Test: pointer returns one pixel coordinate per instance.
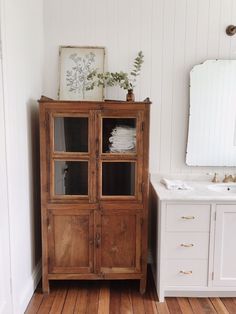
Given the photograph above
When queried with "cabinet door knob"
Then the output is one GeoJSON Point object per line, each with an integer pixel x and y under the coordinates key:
{"type": "Point", "coordinates": [187, 245]}
{"type": "Point", "coordinates": [186, 272]}
{"type": "Point", "coordinates": [188, 217]}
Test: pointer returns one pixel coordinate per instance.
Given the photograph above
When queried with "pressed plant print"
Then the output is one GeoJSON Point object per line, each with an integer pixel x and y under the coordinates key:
{"type": "Point", "coordinates": [76, 63]}
{"type": "Point", "coordinates": [77, 77]}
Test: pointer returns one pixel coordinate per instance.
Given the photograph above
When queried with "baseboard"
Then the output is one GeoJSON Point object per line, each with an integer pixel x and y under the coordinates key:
{"type": "Point", "coordinates": [30, 288]}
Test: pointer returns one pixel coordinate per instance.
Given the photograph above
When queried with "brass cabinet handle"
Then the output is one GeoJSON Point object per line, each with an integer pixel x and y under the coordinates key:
{"type": "Point", "coordinates": [188, 217]}
{"type": "Point", "coordinates": [187, 245]}
{"type": "Point", "coordinates": [184, 272]}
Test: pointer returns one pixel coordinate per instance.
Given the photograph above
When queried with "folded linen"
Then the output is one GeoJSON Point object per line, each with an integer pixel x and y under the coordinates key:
{"type": "Point", "coordinates": [123, 139]}
{"type": "Point", "coordinates": [175, 184]}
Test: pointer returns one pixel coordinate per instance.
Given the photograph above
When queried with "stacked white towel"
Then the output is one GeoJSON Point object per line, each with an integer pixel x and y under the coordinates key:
{"type": "Point", "coordinates": [175, 184]}
{"type": "Point", "coordinates": [123, 139]}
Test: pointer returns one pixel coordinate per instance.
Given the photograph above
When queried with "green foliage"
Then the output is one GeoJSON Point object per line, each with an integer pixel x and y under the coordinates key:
{"type": "Point", "coordinates": [121, 79]}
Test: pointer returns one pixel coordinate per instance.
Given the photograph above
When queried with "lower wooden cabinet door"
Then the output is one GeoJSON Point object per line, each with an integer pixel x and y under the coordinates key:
{"type": "Point", "coordinates": [120, 242]}
{"type": "Point", "coordinates": [70, 241]}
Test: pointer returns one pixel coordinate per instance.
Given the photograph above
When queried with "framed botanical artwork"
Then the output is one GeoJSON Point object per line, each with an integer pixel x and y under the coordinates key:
{"type": "Point", "coordinates": [75, 65]}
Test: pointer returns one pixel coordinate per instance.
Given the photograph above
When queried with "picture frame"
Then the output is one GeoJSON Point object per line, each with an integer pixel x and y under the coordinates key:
{"type": "Point", "coordinates": [75, 63]}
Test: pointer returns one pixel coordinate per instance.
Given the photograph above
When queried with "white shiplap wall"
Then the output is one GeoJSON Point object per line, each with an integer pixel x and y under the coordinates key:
{"type": "Point", "coordinates": [22, 57]}
{"type": "Point", "coordinates": [174, 36]}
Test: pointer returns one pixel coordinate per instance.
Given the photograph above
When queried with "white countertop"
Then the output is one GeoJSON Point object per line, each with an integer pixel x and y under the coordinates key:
{"type": "Point", "coordinates": [200, 192]}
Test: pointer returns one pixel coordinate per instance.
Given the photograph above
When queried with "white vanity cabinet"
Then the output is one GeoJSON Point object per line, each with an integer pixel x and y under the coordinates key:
{"type": "Point", "coordinates": [195, 250]}
{"type": "Point", "coordinates": [225, 246]}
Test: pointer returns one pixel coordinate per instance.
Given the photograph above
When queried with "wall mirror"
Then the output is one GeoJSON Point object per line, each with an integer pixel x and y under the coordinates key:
{"type": "Point", "coordinates": [212, 114]}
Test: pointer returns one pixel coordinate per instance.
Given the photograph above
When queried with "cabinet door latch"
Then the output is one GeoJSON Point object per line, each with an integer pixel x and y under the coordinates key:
{"type": "Point", "coordinates": [142, 187]}
{"type": "Point", "coordinates": [97, 240]}
{"type": "Point", "coordinates": [142, 126]}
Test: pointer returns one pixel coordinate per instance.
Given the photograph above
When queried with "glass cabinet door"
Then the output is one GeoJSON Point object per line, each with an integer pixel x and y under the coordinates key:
{"type": "Point", "coordinates": [70, 165]}
{"type": "Point", "coordinates": [120, 154]}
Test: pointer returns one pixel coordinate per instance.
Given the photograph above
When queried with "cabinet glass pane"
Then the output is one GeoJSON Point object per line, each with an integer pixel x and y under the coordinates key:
{"type": "Point", "coordinates": [118, 178]}
{"type": "Point", "coordinates": [71, 177]}
{"type": "Point", "coordinates": [71, 134]}
{"type": "Point", "coordinates": [118, 135]}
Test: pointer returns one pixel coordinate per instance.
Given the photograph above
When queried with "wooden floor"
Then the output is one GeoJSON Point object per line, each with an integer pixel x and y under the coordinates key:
{"type": "Point", "coordinates": [119, 297]}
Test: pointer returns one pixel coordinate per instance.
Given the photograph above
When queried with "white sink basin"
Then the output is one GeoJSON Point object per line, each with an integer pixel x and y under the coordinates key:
{"type": "Point", "coordinates": [224, 187]}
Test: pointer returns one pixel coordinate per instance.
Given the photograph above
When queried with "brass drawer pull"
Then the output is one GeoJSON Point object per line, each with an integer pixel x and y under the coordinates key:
{"type": "Point", "coordinates": [189, 272]}
{"type": "Point", "coordinates": [188, 217]}
{"type": "Point", "coordinates": [187, 245]}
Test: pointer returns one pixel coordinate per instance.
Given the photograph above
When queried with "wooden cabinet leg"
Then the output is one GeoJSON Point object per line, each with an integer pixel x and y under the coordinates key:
{"type": "Point", "coordinates": [142, 286]}
{"type": "Point", "coordinates": [45, 286]}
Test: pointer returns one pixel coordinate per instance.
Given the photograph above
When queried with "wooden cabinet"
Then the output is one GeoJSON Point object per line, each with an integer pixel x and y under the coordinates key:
{"type": "Point", "coordinates": [94, 189]}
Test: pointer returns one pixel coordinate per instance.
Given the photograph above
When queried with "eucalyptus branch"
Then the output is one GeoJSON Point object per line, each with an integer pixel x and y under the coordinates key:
{"type": "Point", "coordinates": [121, 79]}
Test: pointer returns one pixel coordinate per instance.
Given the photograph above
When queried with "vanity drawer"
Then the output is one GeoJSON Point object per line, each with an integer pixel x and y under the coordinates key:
{"type": "Point", "coordinates": [188, 217]}
{"type": "Point", "coordinates": [187, 245]}
{"type": "Point", "coordinates": [186, 272]}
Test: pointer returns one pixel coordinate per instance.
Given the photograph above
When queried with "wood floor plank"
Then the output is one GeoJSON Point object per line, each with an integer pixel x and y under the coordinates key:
{"type": "Point", "coordinates": [185, 305]}
{"type": "Point", "coordinates": [94, 289]}
{"type": "Point", "coordinates": [70, 301]}
{"type": "Point", "coordinates": [207, 305]}
{"type": "Point", "coordinates": [115, 297]}
{"type": "Point", "coordinates": [137, 300]}
{"type": "Point", "coordinates": [126, 306]}
{"type": "Point", "coordinates": [47, 302]}
{"type": "Point", "coordinates": [149, 300]}
{"type": "Point", "coordinates": [229, 304]}
{"type": "Point", "coordinates": [35, 302]}
{"type": "Point", "coordinates": [104, 298]}
{"type": "Point", "coordinates": [82, 298]}
{"type": "Point", "coordinates": [196, 306]}
{"type": "Point", "coordinates": [162, 307]}
{"type": "Point", "coordinates": [219, 306]}
{"type": "Point", "coordinates": [173, 306]}
{"type": "Point", "coordinates": [59, 300]}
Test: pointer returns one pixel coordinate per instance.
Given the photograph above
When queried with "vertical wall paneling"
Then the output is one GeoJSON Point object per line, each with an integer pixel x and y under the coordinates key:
{"type": "Point", "coordinates": [178, 87]}
{"type": "Point", "coordinates": [214, 28]}
{"type": "Point", "coordinates": [233, 41]}
{"type": "Point", "coordinates": [156, 70]}
{"type": "Point", "coordinates": [174, 35]}
{"type": "Point", "coordinates": [167, 82]}
{"type": "Point", "coordinates": [225, 20]}
{"type": "Point", "coordinates": [5, 261]}
{"type": "Point", "coordinates": [23, 60]}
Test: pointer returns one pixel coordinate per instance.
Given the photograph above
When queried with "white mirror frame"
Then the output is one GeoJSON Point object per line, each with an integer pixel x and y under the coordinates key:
{"type": "Point", "coordinates": [212, 114]}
